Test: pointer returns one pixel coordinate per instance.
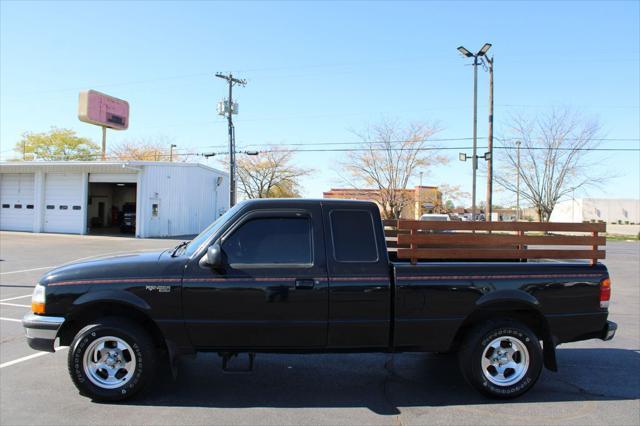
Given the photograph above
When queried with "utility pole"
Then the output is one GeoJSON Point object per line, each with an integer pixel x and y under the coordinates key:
{"type": "Point", "coordinates": [518, 182]}
{"type": "Point", "coordinates": [482, 52]}
{"type": "Point", "coordinates": [229, 110]}
{"type": "Point", "coordinates": [489, 208]}
{"type": "Point", "coordinates": [171, 152]}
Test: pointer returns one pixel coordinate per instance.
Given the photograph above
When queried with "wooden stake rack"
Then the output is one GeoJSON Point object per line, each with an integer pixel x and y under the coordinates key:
{"type": "Point", "coordinates": [438, 240]}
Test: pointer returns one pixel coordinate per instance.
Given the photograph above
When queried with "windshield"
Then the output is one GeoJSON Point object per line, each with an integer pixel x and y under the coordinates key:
{"type": "Point", "coordinates": [210, 230]}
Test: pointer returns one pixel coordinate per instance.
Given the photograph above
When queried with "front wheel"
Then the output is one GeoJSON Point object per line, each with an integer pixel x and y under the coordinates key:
{"type": "Point", "coordinates": [502, 359]}
{"type": "Point", "coordinates": [111, 359]}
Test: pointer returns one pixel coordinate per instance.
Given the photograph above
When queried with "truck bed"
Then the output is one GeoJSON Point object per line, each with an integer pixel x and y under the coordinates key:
{"type": "Point", "coordinates": [434, 301]}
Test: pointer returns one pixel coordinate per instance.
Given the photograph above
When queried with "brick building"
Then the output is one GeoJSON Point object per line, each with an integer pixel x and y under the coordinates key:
{"type": "Point", "coordinates": [423, 199]}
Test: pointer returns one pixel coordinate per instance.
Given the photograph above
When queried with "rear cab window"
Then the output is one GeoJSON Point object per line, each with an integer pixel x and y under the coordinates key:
{"type": "Point", "coordinates": [355, 240]}
{"type": "Point", "coordinates": [353, 236]}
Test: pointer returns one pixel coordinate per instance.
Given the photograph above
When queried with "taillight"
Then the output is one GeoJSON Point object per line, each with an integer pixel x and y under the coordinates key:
{"type": "Point", "coordinates": [605, 292]}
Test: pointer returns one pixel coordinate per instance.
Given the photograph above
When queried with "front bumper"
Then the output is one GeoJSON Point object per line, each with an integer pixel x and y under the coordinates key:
{"type": "Point", "coordinates": [41, 331]}
{"type": "Point", "coordinates": [609, 330]}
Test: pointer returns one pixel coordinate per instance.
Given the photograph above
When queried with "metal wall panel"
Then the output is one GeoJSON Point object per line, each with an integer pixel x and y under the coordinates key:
{"type": "Point", "coordinates": [113, 177]}
{"type": "Point", "coordinates": [180, 200]}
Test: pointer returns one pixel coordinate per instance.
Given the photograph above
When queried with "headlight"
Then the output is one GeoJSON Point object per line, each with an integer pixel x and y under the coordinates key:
{"type": "Point", "coordinates": [38, 299]}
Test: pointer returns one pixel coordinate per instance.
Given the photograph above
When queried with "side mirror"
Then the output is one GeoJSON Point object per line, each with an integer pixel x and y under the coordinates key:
{"type": "Point", "coordinates": [213, 258]}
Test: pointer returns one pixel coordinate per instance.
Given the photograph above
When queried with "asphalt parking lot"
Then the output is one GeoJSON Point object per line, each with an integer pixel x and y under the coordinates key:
{"type": "Point", "coordinates": [598, 382]}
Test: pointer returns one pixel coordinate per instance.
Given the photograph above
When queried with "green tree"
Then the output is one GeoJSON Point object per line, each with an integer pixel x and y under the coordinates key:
{"type": "Point", "coordinates": [56, 144]}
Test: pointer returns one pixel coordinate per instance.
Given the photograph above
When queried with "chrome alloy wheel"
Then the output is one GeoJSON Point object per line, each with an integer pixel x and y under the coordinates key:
{"type": "Point", "coordinates": [109, 362]}
{"type": "Point", "coordinates": [505, 361]}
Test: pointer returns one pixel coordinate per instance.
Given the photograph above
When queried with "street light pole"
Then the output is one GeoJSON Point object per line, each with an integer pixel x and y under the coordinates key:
{"type": "Point", "coordinates": [474, 161]}
{"type": "Point", "coordinates": [482, 52]}
{"type": "Point", "coordinates": [518, 182]}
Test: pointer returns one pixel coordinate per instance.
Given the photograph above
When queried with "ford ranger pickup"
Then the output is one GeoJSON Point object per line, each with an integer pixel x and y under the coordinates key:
{"type": "Point", "coordinates": [311, 276]}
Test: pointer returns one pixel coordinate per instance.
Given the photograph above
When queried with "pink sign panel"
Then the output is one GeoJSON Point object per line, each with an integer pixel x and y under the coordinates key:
{"type": "Point", "coordinates": [103, 110]}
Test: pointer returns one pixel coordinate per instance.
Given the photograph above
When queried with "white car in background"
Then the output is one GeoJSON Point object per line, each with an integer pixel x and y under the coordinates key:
{"type": "Point", "coordinates": [436, 217]}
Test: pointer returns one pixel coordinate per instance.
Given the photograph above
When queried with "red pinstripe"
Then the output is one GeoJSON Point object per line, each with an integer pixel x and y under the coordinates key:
{"type": "Point", "coordinates": [494, 277]}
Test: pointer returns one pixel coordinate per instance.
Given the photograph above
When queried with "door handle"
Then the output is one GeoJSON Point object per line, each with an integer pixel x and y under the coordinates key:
{"type": "Point", "coordinates": [304, 284]}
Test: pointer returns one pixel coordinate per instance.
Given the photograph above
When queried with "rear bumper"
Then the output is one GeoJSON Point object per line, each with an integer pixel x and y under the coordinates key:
{"type": "Point", "coordinates": [41, 331]}
{"type": "Point", "coordinates": [609, 330]}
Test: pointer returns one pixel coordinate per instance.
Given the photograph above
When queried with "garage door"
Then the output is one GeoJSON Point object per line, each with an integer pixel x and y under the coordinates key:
{"type": "Point", "coordinates": [16, 197]}
{"type": "Point", "coordinates": [63, 205]}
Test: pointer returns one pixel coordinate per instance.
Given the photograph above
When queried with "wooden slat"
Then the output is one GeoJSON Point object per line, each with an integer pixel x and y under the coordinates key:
{"type": "Point", "coordinates": [390, 222]}
{"type": "Point", "coordinates": [393, 243]}
{"type": "Point", "coordinates": [498, 254]}
{"type": "Point", "coordinates": [503, 226]}
{"type": "Point", "coordinates": [454, 239]}
{"type": "Point", "coordinates": [414, 248]}
{"type": "Point", "coordinates": [395, 232]}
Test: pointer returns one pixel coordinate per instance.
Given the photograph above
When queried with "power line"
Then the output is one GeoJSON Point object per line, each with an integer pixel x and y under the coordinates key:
{"type": "Point", "coordinates": [404, 141]}
{"type": "Point", "coordinates": [202, 154]}
{"type": "Point", "coordinates": [435, 148]}
{"type": "Point", "coordinates": [453, 148]}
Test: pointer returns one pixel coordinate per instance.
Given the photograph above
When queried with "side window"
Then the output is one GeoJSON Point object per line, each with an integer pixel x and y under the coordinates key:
{"type": "Point", "coordinates": [271, 241]}
{"type": "Point", "coordinates": [354, 237]}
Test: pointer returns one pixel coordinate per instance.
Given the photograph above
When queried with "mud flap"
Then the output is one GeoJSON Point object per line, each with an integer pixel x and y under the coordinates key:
{"type": "Point", "coordinates": [173, 359]}
{"type": "Point", "coordinates": [549, 354]}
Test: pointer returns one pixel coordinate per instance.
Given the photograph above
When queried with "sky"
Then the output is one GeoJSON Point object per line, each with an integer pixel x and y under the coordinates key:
{"type": "Point", "coordinates": [319, 72]}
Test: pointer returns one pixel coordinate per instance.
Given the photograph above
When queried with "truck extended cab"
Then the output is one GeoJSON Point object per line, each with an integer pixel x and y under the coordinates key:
{"type": "Point", "coordinates": [309, 276]}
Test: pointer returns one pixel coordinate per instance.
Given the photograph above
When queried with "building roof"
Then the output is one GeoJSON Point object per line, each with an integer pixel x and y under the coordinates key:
{"type": "Point", "coordinates": [94, 166]}
{"type": "Point", "coordinates": [375, 190]}
{"type": "Point", "coordinates": [285, 201]}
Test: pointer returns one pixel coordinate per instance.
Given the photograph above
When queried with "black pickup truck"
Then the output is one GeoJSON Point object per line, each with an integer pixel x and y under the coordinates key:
{"type": "Point", "coordinates": [309, 276]}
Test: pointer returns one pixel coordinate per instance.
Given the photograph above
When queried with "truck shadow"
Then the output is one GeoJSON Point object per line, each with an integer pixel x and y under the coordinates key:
{"type": "Point", "coordinates": [383, 382]}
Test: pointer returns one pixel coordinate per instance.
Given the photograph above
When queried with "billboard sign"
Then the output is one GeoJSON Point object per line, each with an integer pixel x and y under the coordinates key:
{"type": "Point", "coordinates": [103, 110]}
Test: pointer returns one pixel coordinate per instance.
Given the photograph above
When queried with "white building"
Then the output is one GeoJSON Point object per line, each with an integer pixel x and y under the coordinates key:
{"type": "Point", "coordinates": [168, 199]}
{"type": "Point", "coordinates": [609, 210]}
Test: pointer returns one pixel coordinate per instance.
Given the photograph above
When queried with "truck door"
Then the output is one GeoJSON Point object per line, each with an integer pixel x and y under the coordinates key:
{"type": "Point", "coordinates": [271, 289]}
{"type": "Point", "coordinates": [360, 285]}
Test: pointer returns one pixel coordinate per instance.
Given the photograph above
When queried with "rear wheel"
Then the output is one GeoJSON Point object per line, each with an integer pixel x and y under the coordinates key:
{"type": "Point", "coordinates": [501, 359]}
{"type": "Point", "coordinates": [111, 359]}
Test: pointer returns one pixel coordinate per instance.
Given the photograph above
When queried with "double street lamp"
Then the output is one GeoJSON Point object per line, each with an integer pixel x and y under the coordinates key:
{"type": "Point", "coordinates": [483, 51]}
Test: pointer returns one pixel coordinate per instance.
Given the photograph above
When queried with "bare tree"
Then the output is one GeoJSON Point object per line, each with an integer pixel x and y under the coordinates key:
{"type": "Point", "coordinates": [390, 155]}
{"type": "Point", "coordinates": [145, 149]}
{"type": "Point", "coordinates": [554, 157]}
{"type": "Point", "coordinates": [451, 194]}
{"type": "Point", "coordinates": [270, 174]}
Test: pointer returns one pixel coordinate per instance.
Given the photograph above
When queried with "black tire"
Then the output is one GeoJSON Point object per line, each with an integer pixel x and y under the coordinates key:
{"type": "Point", "coordinates": [475, 348]}
{"type": "Point", "coordinates": [134, 336]}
